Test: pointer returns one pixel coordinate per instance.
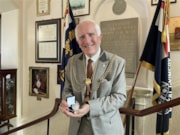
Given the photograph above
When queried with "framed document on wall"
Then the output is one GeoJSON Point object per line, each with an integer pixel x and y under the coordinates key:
{"type": "Point", "coordinates": [48, 36]}
{"type": "Point", "coordinates": [43, 7]}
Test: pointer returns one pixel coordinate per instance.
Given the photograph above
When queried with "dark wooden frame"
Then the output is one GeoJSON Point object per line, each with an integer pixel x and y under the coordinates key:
{"type": "Point", "coordinates": [48, 45]}
{"type": "Point", "coordinates": [155, 2]}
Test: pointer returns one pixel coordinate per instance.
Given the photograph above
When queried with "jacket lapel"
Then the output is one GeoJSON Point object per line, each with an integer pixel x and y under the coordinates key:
{"type": "Point", "coordinates": [100, 69]}
{"type": "Point", "coordinates": [82, 73]}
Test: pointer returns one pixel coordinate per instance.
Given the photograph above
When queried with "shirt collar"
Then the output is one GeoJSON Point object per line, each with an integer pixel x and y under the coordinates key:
{"type": "Point", "coordinates": [95, 57]}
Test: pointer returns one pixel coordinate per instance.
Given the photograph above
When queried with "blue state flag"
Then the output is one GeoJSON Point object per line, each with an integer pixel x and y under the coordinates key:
{"type": "Point", "coordinates": [156, 57]}
{"type": "Point", "coordinates": [71, 47]}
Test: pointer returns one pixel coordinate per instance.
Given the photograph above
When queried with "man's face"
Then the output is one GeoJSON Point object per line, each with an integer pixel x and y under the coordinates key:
{"type": "Point", "coordinates": [88, 40]}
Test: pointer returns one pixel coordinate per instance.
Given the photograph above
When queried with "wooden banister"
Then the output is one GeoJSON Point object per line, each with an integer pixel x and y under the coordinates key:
{"type": "Point", "coordinates": [52, 113]}
{"type": "Point", "coordinates": [127, 111]}
{"type": "Point", "coordinates": [150, 110]}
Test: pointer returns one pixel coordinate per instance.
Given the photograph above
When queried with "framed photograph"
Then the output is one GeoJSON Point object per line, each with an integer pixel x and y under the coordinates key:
{"type": "Point", "coordinates": [39, 81]}
{"type": "Point", "coordinates": [48, 36]}
{"type": "Point", "coordinates": [43, 7]}
{"type": "Point", "coordinates": [155, 2]}
{"type": "Point", "coordinates": [79, 7]}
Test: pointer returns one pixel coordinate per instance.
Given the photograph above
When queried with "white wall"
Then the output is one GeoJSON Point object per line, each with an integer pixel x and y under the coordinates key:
{"type": "Point", "coordinates": [31, 107]}
{"type": "Point", "coordinates": [9, 42]}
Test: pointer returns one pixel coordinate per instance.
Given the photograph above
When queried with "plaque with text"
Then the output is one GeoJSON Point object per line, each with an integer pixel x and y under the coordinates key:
{"type": "Point", "coordinates": [121, 37]}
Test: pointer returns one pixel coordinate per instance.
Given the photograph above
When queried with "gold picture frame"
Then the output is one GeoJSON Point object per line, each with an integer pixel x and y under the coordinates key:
{"type": "Point", "coordinates": [39, 82]}
{"type": "Point", "coordinates": [43, 7]}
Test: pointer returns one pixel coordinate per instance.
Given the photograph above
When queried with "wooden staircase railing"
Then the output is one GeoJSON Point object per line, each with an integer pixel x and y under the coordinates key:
{"type": "Point", "coordinates": [150, 110]}
{"type": "Point", "coordinates": [52, 113]}
{"type": "Point", "coordinates": [130, 113]}
{"type": "Point", "coordinates": [127, 111]}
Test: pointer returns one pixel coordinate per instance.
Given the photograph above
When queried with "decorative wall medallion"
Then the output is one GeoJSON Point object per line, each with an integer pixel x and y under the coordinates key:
{"type": "Point", "coordinates": [119, 7]}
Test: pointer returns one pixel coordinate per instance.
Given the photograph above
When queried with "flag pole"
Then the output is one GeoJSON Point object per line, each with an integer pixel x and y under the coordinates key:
{"type": "Point", "coordinates": [131, 91]}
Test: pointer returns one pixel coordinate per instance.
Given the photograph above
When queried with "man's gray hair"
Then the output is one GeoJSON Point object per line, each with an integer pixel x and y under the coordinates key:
{"type": "Point", "coordinates": [97, 27]}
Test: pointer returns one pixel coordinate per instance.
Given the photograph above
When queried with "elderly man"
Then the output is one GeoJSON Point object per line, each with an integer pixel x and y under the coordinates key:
{"type": "Point", "coordinates": [100, 94]}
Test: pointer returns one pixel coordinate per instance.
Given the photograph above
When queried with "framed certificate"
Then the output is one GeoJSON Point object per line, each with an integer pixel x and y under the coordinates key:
{"type": "Point", "coordinates": [48, 41]}
{"type": "Point", "coordinates": [43, 7]}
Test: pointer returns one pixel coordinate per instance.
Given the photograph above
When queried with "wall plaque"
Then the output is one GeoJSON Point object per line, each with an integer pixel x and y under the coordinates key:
{"type": "Point", "coordinates": [121, 37]}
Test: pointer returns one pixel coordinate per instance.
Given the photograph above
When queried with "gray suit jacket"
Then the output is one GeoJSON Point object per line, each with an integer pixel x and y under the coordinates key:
{"type": "Point", "coordinates": [108, 92]}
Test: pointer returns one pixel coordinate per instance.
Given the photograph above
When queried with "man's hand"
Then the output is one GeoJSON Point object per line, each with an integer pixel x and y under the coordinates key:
{"type": "Point", "coordinates": [84, 109]}
{"type": "Point", "coordinates": [64, 107]}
